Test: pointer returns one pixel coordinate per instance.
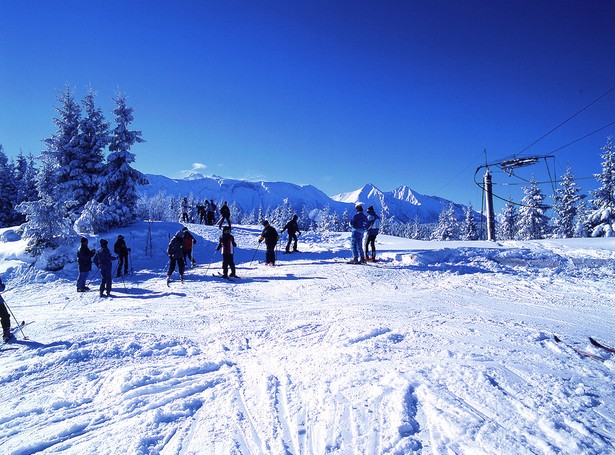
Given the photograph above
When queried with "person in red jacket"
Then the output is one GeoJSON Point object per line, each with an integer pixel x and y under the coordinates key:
{"type": "Point", "coordinates": [227, 243]}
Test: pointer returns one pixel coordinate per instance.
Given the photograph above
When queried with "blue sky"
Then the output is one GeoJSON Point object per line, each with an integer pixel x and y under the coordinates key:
{"type": "Point", "coordinates": [335, 94]}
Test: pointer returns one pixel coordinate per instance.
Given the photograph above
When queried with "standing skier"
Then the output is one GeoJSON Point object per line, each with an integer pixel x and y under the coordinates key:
{"type": "Point", "coordinates": [185, 207]}
{"type": "Point", "coordinates": [175, 251]}
{"type": "Point", "coordinates": [227, 243]}
{"type": "Point", "coordinates": [211, 212]}
{"type": "Point", "coordinates": [225, 214]}
{"type": "Point", "coordinates": [84, 261]}
{"type": "Point", "coordinates": [189, 241]}
{"type": "Point", "coordinates": [293, 229]}
{"type": "Point", "coordinates": [270, 236]}
{"type": "Point", "coordinates": [372, 232]}
{"type": "Point", "coordinates": [122, 251]}
{"type": "Point", "coordinates": [103, 259]}
{"type": "Point", "coordinates": [358, 223]}
{"type": "Point", "coordinates": [4, 317]}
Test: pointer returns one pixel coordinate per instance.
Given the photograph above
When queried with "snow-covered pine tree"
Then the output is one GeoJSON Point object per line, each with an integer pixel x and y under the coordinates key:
{"type": "Point", "coordinates": [581, 227]}
{"type": "Point", "coordinates": [118, 185]}
{"type": "Point", "coordinates": [448, 226]}
{"type": "Point", "coordinates": [345, 221]}
{"type": "Point", "coordinates": [25, 178]}
{"type": "Point", "coordinates": [566, 199]}
{"type": "Point", "coordinates": [507, 226]}
{"type": "Point", "coordinates": [8, 190]}
{"type": "Point", "coordinates": [533, 223]}
{"type": "Point", "coordinates": [64, 146]}
{"type": "Point", "coordinates": [48, 223]}
{"type": "Point", "coordinates": [94, 139]}
{"type": "Point", "coordinates": [469, 229]}
{"type": "Point", "coordinates": [602, 218]}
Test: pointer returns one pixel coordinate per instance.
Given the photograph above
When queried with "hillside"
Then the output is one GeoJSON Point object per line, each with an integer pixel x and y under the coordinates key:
{"type": "Point", "coordinates": [403, 204]}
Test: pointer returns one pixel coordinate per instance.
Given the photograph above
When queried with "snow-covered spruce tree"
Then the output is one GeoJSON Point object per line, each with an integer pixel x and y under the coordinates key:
{"type": "Point", "coordinates": [25, 179]}
{"type": "Point", "coordinates": [507, 226]}
{"type": "Point", "coordinates": [48, 224]}
{"type": "Point", "coordinates": [469, 229]}
{"type": "Point", "coordinates": [602, 218]}
{"type": "Point", "coordinates": [581, 226]}
{"type": "Point", "coordinates": [533, 223]}
{"type": "Point", "coordinates": [566, 199]}
{"type": "Point", "coordinates": [325, 220]}
{"type": "Point", "coordinates": [117, 188]}
{"type": "Point", "coordinates": [64, 147]}
{"type": "Point", "coordinates": [448, 226]}
{"type": "Point", "coordinates": [8, 192]}
{"type": "Point", "coordinates": [94, 139]}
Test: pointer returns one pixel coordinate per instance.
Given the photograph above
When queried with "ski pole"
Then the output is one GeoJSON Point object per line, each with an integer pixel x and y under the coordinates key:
{"type": "Point", "coordinates": [211, 261]}
{"type": "Point", "coordinates": [255, 251]}
{"type": "Point", "coordinates": [16, 321]}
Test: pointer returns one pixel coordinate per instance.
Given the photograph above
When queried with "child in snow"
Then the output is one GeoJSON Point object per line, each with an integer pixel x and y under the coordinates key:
{"type": "Point", "coordinates": [227, 243]}
{"type": "Point", "coordinates": [84, 259]}
{"type": "Point", "coordinates": [175, 251]}
{"type": "Point", "coordinates": [270, 236]}
{"type": "Point", "coordinates": [103, 259]}
{"type": "Point", "coordinates": [122, 251]}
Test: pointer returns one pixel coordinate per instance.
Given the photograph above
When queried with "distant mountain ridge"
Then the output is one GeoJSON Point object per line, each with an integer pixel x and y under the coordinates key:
{"type": "Point", "coordinates": [402, 204]}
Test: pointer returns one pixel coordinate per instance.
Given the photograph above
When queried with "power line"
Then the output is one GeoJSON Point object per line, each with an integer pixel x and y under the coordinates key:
{"type": "Point", "coordinates": [567, 120]}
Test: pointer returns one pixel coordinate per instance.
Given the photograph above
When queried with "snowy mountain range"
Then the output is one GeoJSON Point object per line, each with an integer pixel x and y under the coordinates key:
{"type": "Point", "coordinates": [402, 204]}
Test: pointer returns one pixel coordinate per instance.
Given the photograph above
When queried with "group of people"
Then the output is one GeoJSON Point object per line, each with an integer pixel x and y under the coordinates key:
{"type": "Point", "coordinates": [364, 227]}
{"type": "Point", "coordinates": [205, 213]}
{"type": "Point", "coordinates": [103, 260]}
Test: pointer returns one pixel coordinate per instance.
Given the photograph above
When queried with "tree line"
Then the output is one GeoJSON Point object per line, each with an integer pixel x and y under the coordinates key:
{"type": "Point", "coordinates": [84, 181]}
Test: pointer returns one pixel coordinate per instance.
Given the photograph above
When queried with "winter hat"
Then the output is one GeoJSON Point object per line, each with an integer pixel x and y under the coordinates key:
{"type": "Point", "coordinates": [103, 242]}
{"type": "Point", "coordinates": [84, 240]}
{"type": "Point", "coordinates": [295, 217]}
{"type": "Point", "coordinates": [226, 229]}
{"type": "Point", "coordinates": [184, 228]}
{"type": "Point", "coordinates": [265, 223]}
{"type": "Point", "coordinates": [120, 237]}
{"type": "Point", "coordinates": [359, 208]}
{"type": "Point", "coordinates": [370, 208]}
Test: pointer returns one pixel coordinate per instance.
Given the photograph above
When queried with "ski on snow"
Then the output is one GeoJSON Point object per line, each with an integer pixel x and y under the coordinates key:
{"type": "Point", "coordinates": [15, 329]}
{"type": "Point", "coordinates": [228, 278]}
{"type": "Point", "coordinates": [601, 346]}
{"type": "Point", "coordinates": [577, 350]}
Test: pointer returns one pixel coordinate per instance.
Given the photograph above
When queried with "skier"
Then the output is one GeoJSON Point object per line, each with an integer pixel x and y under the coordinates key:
{"type": "Point", "coordinates": [175, 251]}
{"type": "Point", "coordinates": [103, 259]}
{"type": "Point", "coordinates": [122, 251]}
{"type": "Point", "coordinates": [358, 223]}
{"type": "Point", "coordinates": [201, 211]}
{"type": "Point", "coordinates": [185, 207]}
{"type": "Point", "coordinates": [84, 260]}
{"type": "Point", "coordinates": [227, 243]}
{"type": "Point", "coordinates": [270, 236]}
{"type": "Point", "coordinates": [211, 212]}
{"type": "Point", "coordinates": [225, 214]}
{"type": "Point", "coordinates": [293, 230]}
{"type": "Point", "coordinates": [372, 233]}
{"type": "Point", "coordinates": [5, 317]}
{"type": "Point", "coordinates": [189, 240]}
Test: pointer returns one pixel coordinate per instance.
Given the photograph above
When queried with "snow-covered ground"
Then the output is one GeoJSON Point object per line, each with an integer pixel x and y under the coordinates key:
{"type": "Point", "coordinates": [443, 347]}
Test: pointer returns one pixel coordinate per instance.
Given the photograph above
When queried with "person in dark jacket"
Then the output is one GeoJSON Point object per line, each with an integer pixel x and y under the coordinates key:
{"type": "Point", "coordinates": [225, 214]}
{"type": "Point", "coordinates": [103, 259]}
{"type": "Point", "coordinates": [122, 251]}
{"type": "Point", "coordinates": [227, 243]}
{"type": "Point", "coordinates": [84, 261]}
{"type": "Point", "coordinates": [189, 241]}
{"type": "Point", "coordinates": [175, 251]}
{"type": "Point", "coordinates": [372, 232]}
{"type": "Point", "coordinates": [293, 229]}
{"type": "Point", "coordinates": [270, 236]}
{"type": "Point", "coordinates": [5, 318]}
{"type": "Point", "coordinates": [358, 225]}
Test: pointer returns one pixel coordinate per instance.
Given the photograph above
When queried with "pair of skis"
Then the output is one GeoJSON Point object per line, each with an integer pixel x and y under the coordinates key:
{"type": "Point", "coordinates": [583, 353]}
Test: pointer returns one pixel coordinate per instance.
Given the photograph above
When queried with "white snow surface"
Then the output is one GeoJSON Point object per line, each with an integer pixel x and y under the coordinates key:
{"type": "Point", "coordinates": [441, 347]}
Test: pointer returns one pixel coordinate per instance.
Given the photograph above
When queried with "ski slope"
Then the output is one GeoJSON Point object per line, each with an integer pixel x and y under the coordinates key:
{"type": "Point", "coordinates": [442, 347]}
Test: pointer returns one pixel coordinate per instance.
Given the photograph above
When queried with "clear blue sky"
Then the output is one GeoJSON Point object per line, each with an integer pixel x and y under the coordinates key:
{"type": "Point", "coordinates": [331, 93]}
